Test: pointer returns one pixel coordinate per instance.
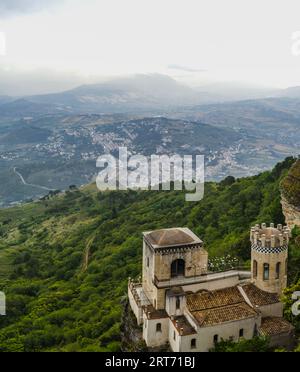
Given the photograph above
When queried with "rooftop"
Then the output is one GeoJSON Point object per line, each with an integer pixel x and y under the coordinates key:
{"type": "Point", "coordinates": [258, 297]}
{"type": "Point", "coordinates": [171, 237]}
{"type": "Point", "coordinates": [224, 314]}
{"type": "Point", "coordinates": [182, 325]}
{"type": "Point", "coordinates": [275, 326]}
{"type": "Point", "coordinates": [219, 306]}
{"type": "Point", "coordinates": [217, 298]}
{"type": "Point", "coordinates": [152, 313]}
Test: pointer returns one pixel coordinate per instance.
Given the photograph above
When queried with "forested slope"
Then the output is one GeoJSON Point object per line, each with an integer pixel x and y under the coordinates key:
{"type": "Point", "coordinates": [64, 262]}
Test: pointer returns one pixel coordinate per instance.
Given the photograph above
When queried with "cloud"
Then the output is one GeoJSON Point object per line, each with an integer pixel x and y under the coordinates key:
{"type": "Point", "coordinates": [14, 82]}
{"type": "Point", "coordinates": [185, 68]}
{"type": "Point", "coordinates": [9, 8]}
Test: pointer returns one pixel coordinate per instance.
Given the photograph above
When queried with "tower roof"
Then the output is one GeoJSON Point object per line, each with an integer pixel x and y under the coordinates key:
{"type": "Point", "coordinates": [171, 237]}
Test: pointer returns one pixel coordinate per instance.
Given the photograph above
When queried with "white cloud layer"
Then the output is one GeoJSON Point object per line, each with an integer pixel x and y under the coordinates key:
{"type": "Point", "coordinates": [232, 40]}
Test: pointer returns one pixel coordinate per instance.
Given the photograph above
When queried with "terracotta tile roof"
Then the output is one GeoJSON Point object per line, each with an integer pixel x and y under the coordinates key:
{"type": "Point", "coordinates": [275, 326]}
{"type": "Point", "coordinates": [258, 297]}
{"type": "Point", "coordinates": [183, 326]}
{"type": "Point", "coordinates": [224, 314]}
{"type": "Point", "coordinates": [217, 298]}
{"type": "Point", "coordinates": [219, 306]}
{"type": "Point", "coordinates": [152, 313]}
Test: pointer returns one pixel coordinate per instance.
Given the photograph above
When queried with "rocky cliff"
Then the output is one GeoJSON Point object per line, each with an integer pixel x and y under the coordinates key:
{"type": "Point", "coordinates": [290, 192]}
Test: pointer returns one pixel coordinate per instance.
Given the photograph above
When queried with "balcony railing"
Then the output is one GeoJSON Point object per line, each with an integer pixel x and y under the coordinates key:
{"type": "Point", "coordinates": [182, 280]}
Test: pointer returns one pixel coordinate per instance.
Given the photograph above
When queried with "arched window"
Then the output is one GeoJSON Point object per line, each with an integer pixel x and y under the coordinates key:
{"type": "Point", "coordinates": [241, 333]}
{"type": "Point", "coordinates": [216, 339]}
{"type": "Point", "coordinates": [278, 268]}
{"type": "Point", "coordinates": [193, 343]}
{"type": "Point", "coordinates": [254, 269]}
{"type": "Point", "coordinates": [177, 303]}
{"type": "Point", "coordinates": [158, 327]}
{"type": "Point", "coordinates": [266, 271]}
{"type": "Point", "coordinates": [177, 268]}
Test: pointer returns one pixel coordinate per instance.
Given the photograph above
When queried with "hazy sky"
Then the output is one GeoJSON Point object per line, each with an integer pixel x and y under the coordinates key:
{"type": "Point", "coordinates": [53, 45]}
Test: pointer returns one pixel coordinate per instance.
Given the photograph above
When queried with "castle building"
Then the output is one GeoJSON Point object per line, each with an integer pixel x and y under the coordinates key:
{"type": "Point", "coordinates": [179, 303]}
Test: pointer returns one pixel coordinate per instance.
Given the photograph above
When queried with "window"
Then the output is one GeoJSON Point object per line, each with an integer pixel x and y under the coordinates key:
{"type": "Point", "coordinates": [158, 327]}
{"type": "Point", "coordinates": [254, 269]}
{"type": "Point", "coordinates": [216, 339]}
{"type": "Point", "coordinates": [174, 336]}
{"type": "Point", "coordinates": [177, 268]}
{"type": "Point", "coordinates": [286, 267]}
{"type": "Point", "coordinates": [278, 268]}
{"type": "Point", "coordinates": [193, 343]}
{"type": "Point", "coordinates": [241, 333]}
{"type": "Point", "coordinates": [148, 262]}
{"type": "Point", "coordinates": [266, 271]}
{"type": "Point", "coordinates": [177, 303]}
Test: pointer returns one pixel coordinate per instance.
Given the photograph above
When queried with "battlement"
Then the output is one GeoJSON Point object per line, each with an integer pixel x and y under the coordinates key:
{"type": "Point", "coordinates": [270, 237]}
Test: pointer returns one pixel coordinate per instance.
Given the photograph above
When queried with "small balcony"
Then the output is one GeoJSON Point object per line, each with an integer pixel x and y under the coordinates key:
{"type": "Point", "coordinates": [182, 280]}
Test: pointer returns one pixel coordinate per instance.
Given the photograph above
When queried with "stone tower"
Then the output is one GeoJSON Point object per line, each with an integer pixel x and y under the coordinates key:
{"type": "Point", "coordinates": [171, 258]}
{"type": "Point", "coordinates": [269, 257]}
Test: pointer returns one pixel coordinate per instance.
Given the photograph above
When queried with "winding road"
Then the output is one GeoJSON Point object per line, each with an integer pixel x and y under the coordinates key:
{"type": "Point", "coordinates": [30, 184]}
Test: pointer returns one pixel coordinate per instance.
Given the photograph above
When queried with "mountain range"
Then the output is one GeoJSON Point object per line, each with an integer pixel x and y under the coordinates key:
{"type": "Point", "coordinates": [138, 93]}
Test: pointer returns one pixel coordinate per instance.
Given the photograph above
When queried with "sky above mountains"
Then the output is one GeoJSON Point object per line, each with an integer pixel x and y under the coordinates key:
{"type": "Point", "coordinates": [56, 45]}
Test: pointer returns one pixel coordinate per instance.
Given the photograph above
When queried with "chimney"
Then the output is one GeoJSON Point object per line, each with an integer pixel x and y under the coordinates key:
{"type": "Point", "coordinates": [264, 226]}
{"type": "Point", "coordinates": [263, 240]}
{"type": "Point", "coordinates": [272, 225]}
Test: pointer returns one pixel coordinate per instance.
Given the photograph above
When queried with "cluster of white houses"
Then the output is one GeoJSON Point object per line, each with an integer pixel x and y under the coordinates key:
{"type": "Point", "coordinates": [180, 303]}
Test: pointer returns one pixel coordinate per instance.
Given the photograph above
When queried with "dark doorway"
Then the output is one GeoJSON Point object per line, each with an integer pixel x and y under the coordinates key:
{"type": "Point", "coordinates": [178, 268]}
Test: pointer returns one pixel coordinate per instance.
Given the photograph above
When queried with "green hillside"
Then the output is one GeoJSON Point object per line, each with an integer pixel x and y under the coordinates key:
{"type": "Point", "coordinates": [64, 262]}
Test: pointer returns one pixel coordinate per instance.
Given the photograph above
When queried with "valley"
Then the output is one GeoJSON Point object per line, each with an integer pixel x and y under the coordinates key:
{"type": "Point", "coordinates": [55, 140]}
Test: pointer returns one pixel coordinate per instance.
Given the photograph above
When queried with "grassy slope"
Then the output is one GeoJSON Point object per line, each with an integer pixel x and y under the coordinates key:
{"type": "Point", "coordinates": [55, 304]}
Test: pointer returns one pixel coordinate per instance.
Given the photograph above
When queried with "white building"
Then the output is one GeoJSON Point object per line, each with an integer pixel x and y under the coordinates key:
{"type": "Point", "coordinates": [180, 304]}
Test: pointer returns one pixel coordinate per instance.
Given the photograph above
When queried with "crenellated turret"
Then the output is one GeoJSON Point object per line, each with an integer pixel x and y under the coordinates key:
{"type": "Point", "coordinates": [269, 256]}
